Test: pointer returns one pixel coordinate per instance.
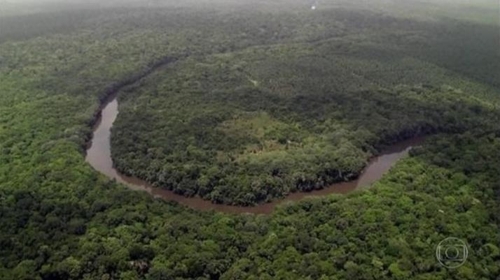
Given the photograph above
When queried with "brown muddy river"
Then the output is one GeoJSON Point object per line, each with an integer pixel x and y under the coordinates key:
{"type": "Point", "coordinates": [99, 156]}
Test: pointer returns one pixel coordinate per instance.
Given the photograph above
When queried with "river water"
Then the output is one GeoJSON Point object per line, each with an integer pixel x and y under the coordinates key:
{"type": "Point", "coordinates": [99, 157]}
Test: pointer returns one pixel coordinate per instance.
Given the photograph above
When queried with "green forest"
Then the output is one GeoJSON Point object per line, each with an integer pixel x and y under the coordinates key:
{"type": "Point", "coordinates": [258, 100]}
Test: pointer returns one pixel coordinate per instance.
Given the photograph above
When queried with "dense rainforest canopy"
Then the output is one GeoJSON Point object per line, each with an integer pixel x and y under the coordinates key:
{"type": "Point", "coordinates": [262, 100]}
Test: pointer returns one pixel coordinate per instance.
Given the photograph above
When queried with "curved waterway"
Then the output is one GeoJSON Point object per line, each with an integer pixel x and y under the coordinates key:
{"type": "Point", "coordinates": [99, 156]}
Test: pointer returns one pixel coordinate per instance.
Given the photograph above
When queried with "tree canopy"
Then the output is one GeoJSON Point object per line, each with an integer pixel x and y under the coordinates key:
{"type": "Point", "coordinates": [259, 103]}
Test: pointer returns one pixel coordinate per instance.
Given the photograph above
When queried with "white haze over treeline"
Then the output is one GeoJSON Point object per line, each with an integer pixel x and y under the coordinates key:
{"type": "Point", "coordinates": [38, 4]}
{"type": "Point", "coordinates": [484, 11]}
